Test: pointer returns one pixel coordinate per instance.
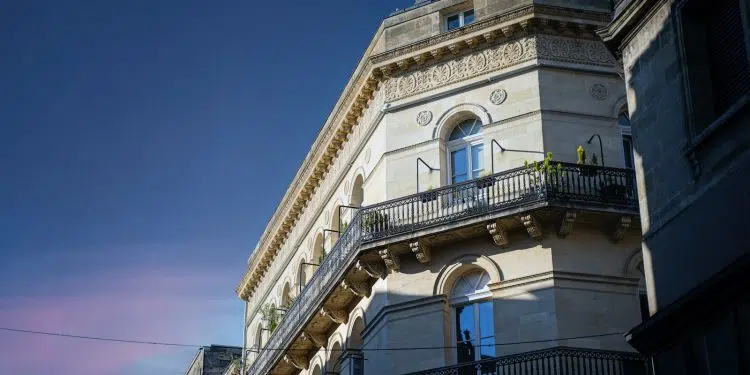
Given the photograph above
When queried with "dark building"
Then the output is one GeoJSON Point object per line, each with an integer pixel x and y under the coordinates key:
{"type": "Point", "coordinates": [213, 360]}
{"type": "Point", "coordinates": [688, 87]}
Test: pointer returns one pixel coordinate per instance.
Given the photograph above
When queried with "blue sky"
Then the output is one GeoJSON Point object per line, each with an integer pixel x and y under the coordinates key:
{"type": "Point", "coordinates": [143, 147]}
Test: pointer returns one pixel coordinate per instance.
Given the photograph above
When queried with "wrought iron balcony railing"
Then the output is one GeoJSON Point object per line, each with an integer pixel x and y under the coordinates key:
{"type": "Point", "coordinates": [584, 186]}
{"type": "Point", "coordinates": [554, 361]}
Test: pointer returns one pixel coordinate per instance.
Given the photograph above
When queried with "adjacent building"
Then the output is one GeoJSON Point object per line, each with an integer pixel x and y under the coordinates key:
{"type": "Point", "coordinates": [215, 360]}
{"type": "Point", "coordinates": [688, 88]}
{"type": "Point", "coordinates": [468, 207]}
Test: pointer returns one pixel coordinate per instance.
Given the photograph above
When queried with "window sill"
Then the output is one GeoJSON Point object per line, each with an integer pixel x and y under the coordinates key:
{"type": "Point", "coordinates": [719, 123]}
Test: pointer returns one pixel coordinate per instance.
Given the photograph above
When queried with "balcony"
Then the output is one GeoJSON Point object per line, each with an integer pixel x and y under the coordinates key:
{"type": "Point", "coordinates": [377, 235]}
{"type": "Point", "coordinates": [554, 361]}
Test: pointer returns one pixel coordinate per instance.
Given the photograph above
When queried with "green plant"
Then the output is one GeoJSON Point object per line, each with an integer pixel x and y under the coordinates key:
{"type": "Point", "coordinates": [343, 225]}
{"type": "Point", "coordinates": [536, 170]}
{"type": "Point", "coordinates": [582, 159]}
{"type": "Point", "coordinates": [270, 314]}
{"type": "Point", "coordinates": [374, 220]}
{"type": "Point", "coordinates": [322, 256]}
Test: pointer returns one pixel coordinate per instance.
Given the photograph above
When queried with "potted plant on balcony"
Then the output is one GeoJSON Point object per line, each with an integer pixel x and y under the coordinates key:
{"type": "Point", "coordinates": [375, 220]}
{"type": "Point", "coordinates": [542, 174]}
{"type": "Point", "coordinates": [484, 181]}
{"type": "Point", "coordinates": [585, 167]}
{"type": "Point", "coordinates": [428, 196]}
{"type": "Point", "coordinates": [270, 314]}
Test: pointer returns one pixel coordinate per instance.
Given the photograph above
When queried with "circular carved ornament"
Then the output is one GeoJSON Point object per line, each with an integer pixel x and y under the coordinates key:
{"type": "Point", "coordinates": [599, 91]}
{"type": "Point", "coordinates": [424, 118]}
{"type": "Point", "coordinates": [368, 153]}
{"type": "Point", "coordinates": [498, 96]}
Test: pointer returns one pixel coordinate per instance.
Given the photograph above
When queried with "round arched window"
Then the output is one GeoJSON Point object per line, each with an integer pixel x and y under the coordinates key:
{"type": "Point", "coordinates": [474, 327]}
{"type": "Point", "coordinates": [466, 151]}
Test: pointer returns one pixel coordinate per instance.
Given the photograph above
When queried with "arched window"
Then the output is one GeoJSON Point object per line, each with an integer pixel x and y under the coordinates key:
{"type": "Point", "coordinates": [474, 322]}
{"type": "Point", "coordinates": [627, 140]}
{"type": "Point", "coordinates": [286, 296]}
{"type": "Point", "coordinates": [466, 151]}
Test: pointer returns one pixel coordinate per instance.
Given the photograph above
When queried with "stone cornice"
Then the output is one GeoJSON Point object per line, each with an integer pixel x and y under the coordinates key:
{"type": "Point", "coordinates": [366, 80]}
{"type": "Point", "coordinates": [633, 13]}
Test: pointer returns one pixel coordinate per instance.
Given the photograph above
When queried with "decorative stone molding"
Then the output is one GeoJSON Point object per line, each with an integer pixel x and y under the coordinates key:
{"type": "Point", "coordinates": [494, 58]}
{"type": "Point", "coordinates": [424, 118]}
{"type": "Point", "coordinates": [317, 339]}
{"type": "Point", "coordinates": [532, 226]}
{"type": "Point", "coordinates": [621, 227]}
{"type": "Point", "coordinates": [373, 269]}
{"type": "Point", "coordinates": [566, 223]}
{"type": "Point", "coordinates": [336, 315]}
{"type": "Point", "coordinates": [358, 288]}
{"type": "Point", "coordinates": [599, 92]}
{"type": "Point", "coordinates": [297, 358]}
{"type": "Point", "coordinates": [421, 250]}
{"type": "Point", "coordinates": [498, 96]}
{"type": "Point", "coordinates": [391, 260]}
{"type": "Point", "coordinates": [498, 233]}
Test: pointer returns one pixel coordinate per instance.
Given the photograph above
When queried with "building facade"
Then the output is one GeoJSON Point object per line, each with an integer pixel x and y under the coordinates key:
{"type": "Point", "coordinates": [425, 230]}
{"type": "Point", "coordinates": [214, 360]}
{"type": "Point", "coordinates": [688, 87]}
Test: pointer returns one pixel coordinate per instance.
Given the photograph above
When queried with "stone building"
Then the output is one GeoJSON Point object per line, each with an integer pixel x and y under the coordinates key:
{"type": "Point", "coordinates": [688, 88]}
{"type": "Point", "coordinates": [214, 360]}
{"type": "Point", "coordinates": [413, 221]}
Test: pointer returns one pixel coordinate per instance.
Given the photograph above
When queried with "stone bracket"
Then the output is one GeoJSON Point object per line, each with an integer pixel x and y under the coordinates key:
{"type": "Point", "coordinates": [373, 269]}
{"type": "Point", "coordinates": [297, 358]}
{"type": "Point", "coordinates": [317, 339]}
{"type": "Point", "coordinates": [390, 259]}
{"type": "Point", "coordinates": [532, 225]}
{"type": "Point", "coordinates": [566, 223]}
{"type": "Point", "coordinates": [336, 315]}
{"type": "Point", "coordinates": [498, 233]}
{"type": "Point", "coordinates": [358, 288]}
{"type": "Point", "coordinates": [621, 227]}
{"type": "Point", "coordinates": [422, 250]}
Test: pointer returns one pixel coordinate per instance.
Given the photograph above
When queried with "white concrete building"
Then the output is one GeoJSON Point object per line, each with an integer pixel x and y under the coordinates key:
{"type": "Point", "coordinates": [413, 223]}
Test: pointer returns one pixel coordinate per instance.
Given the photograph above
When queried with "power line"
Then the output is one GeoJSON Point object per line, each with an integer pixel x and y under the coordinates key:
{"type": "Point", "coordinates": [97, 338]}
{"type": "Point", "coordinates": [57, 334]}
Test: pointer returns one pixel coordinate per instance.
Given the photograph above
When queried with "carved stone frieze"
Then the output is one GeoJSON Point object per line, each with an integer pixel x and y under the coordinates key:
{"type": "Point", "coordinates": [391, 260]}
{"type": "Point", "coordinates": [566, 223]}
{"type": "Point", "coordinates": [497, 57]}
{"type": "Point", "coordinates": [373, 269]}
{"type": "Point", "coordinates": [533, 227]}
{"type": "Point", "coordinates": [357, 287]}
{"type": "Point", "coordinates": [297, 358]}
{"type": "Point", "coordinates": [498, 234]}
{"type": "Point", "coordinates": [336, 315]}
{"type": "Point", "coordinates": [422, 250]}
{"type": "Point", "coordinates": [621, 227]}
{"type": "Point", "coordinates": [317, 339]}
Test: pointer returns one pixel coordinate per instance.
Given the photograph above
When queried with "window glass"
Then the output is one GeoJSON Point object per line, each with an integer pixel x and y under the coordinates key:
{"type": "Point", "coordinates": [453, 22]}
{"type": "Point", "coordinates": [627, 147]}
{"type": "Point", "coordinates": [460, 165]}
{"type": "Point", "coordinates": [623, 119]}
{"type": "Point", "coordinates": [486, 330]}
{"type": "Point", "coordinates": [477, 162]}
{"type": "Point", "coordinates": [465, 333]}
{"type": "Point", "coordinates": [468, 17]}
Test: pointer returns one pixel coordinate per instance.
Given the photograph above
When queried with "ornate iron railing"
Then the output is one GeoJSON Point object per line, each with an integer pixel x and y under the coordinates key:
{"type": "Point", "coordinates": [554, 361]}
{"type": "Point", "coordinates": [583, 185]}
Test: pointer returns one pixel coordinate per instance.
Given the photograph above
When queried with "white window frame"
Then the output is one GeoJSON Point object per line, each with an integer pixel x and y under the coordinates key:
{"type": "Point", "coordinates": [626, 134]}
{"type": "Point", "coordinates": [473, 299]}
{"type": "Point", "coordinates": [461, 22]}
{"type": "Point", "coordinates": [464, 143]}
